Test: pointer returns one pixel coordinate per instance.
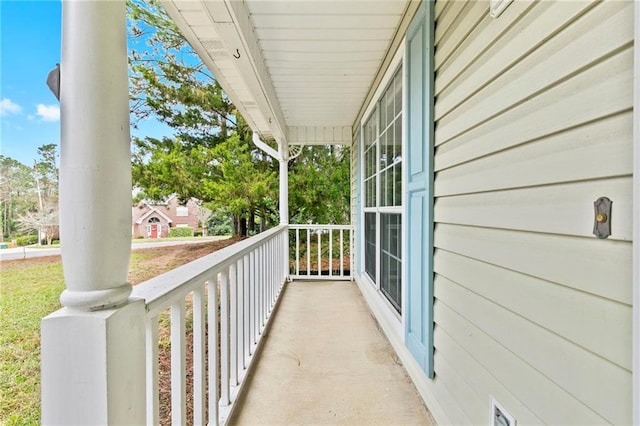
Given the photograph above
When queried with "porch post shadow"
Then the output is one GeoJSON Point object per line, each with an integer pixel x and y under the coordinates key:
{"type": "Point", "coordinates": [93, 354]}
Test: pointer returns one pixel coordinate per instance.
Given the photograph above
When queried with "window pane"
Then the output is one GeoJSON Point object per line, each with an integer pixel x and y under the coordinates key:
{"type": "Point", "coordinates": [370, 192]}
{"type": "Point", "coordinates": [389, 105]}
{"type": "Point", "coordinates": [397, 127]}
{"type": "Point", "coordinates": [398, 92]}
{"type": "Point", "coordinates": [370, 245]}
{"type": "Point", "coordinates": [382, 155]}
{"type": "Point", "coordinates": [390, 258]}
{"type": "Point", "coordinates": [397, 185]}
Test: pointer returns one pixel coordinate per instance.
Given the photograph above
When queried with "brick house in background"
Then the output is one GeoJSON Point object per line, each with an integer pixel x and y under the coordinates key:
{"type": "Point", "coordinates": [154, 220]}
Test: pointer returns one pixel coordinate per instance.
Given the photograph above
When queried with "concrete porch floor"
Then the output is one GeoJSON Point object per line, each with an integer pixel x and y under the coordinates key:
{"type": "Point", "coordinates": [324, 361]}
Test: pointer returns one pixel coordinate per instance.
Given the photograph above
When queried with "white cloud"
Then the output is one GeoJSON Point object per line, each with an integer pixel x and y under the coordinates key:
{"type": "Point", "coordinates": [48, 112]}
{"type": "Point", "coordinates": [7, 106]}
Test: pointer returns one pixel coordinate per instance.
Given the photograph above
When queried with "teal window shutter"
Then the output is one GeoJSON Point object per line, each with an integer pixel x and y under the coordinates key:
{"type": "Point", "coordinates": [419, 188]}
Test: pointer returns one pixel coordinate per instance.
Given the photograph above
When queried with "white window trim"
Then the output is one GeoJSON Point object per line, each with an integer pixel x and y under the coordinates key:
{"type": "Point", "coordinates": [390, 311]}
{"type": "Point", "coordinates": [636, 220]}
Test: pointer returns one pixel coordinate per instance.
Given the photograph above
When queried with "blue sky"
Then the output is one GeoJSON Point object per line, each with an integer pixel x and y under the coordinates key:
{"type": "Point", "coordinates": [30, 48]}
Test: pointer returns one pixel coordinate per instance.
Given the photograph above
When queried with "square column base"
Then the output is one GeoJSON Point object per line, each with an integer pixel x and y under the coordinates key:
{"type": "Point", "coordinates": [93, 366]}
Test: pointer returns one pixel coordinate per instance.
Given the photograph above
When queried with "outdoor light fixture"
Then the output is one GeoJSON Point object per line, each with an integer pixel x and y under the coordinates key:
{"type": "Point", "coordinates": [53, 81]}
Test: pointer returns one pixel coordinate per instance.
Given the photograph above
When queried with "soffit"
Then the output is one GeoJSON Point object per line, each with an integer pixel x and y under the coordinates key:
{"type": "Point", "coordinates": [297, 70]}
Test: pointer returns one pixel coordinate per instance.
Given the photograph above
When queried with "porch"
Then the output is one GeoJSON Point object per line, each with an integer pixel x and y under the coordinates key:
{"type": "Point", "coordinates": [325, 361]}
{"type": "Point", "coordinates": [247, 345]}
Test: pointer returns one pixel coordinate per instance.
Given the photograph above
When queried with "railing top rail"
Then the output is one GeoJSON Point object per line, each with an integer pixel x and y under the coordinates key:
{"type": "Point", "coordinates": [318, 226]}
{"type": "Point", "coordinates": [159, 292]}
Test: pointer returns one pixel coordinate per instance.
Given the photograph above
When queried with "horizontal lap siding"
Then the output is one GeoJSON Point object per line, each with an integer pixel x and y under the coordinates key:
{"type": "Point", "coordinates": [533, 123]}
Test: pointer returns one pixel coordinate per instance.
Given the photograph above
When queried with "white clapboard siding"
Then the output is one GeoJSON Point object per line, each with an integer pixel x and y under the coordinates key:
{"type": "Point", "coordinates": [447, 18]}
{"type": "Point", "coordinates": [600, 326]}
{"type": "Point", "coordinates": [478, 377]}
{"type": "Point", "coordinates": [543, 21]}
{"type": "Point", "coordinates": [471, 16]}
{"type": "Point", "coordinates": [475, 405]}
{"type": "Point", "coordinates": [482, 37]}
{"type": "Point", "coordinates": [599, 149]}
{"type": "Point", "coordinates": [450, 403]}
{"type": "Point", "coordinates": [533, 124]}
{"type": "Point", "coordinates": [593, 94]}
{"type": "Point", "coordinates": [556, 209]}
{"type": "Point", "coordinates": [599, 267]}
{"type": "Point", "coordinates": [587, 377]}
{"type": "Point", "coordinates": [592, 38]}
{"type": "Point", "coordinates": [550, 402]}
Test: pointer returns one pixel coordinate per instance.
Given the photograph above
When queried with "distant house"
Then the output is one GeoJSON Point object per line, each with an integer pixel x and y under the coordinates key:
{"type": "Point", "coordinates": [154, 220]}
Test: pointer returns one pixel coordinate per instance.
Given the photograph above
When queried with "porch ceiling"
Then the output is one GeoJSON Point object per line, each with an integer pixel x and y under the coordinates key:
{"type": "Point", "coordinates": [298, 70]}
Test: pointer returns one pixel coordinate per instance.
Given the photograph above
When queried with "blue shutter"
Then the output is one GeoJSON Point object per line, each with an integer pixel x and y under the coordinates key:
{"type": "Point", "coordinates": [419, 188]}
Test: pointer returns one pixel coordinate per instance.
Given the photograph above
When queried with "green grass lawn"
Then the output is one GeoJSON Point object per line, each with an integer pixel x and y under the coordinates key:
{"type": "Point", "coordinates": [30, 290]}
{"type": "Point", "coordinates": [28, 294]}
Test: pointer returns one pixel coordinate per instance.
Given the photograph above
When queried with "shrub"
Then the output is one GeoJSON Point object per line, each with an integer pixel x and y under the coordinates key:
{"type": "Point", "coordinates": [26, 240]}
{"type": "Point", "coordinates": [185, 231]}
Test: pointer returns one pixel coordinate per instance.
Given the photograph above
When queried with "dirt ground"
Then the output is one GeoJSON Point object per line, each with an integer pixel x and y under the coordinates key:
{"type": "Point", "coordinates": [153, 262]}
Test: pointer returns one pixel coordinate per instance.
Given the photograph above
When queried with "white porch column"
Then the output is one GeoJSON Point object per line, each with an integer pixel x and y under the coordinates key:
{"type": "Point", "coordinates": [95, 156]}
{"type": "Point", "coordinates": [93, 357]}
{"type": "Point", "coordinates": [284, 183]}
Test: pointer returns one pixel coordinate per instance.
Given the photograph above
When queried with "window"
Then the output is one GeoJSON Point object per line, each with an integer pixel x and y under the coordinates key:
{"type": "Point", "coordinates": [382, 186]}
{"type": "Point", "coordinates": [182, 211]}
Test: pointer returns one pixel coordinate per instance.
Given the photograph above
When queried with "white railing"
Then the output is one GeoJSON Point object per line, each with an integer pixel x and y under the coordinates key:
{"type": "Point", "coordinates": [229, 296]}
{"type": "Point", "coordinates": [320, 251]}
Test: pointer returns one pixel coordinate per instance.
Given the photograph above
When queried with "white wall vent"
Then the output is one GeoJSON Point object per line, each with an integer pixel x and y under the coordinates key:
{"type": "Point", "coordinates": [500, 416]}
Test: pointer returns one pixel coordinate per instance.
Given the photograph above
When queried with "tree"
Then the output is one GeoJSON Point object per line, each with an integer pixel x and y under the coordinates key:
{"type": "Point", "coordinates": [319, 185]}
{"type": "Point", "coordinates": [211, 142]}
{"type": "Point", "coordinates": [203, 214]}
{"type": "Point", "coordinates": [240, 186]}
{"type": "Point", "coordinates": [46, 171]}
{"type": "Point", "coordinates": [45, 219]}
{"type": "Point", "coordinates": [17, 193]}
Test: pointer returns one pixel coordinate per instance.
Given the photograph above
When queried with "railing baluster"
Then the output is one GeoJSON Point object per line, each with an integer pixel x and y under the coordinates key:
{"type": "Point", "coordinates": [319, 253]}
{"type": "Point", "coordinates": [233, 323]}
{"type": "Point", "coordinates": [240, 303]}
{"type": "Point", "coordinates": [308, 252]}
{"type": "Point", "coordinates": [244, 286]}
{"type": "Point", "coordinates": [269, 278]}
{"type": "Point", "coordinates": [153, 406]}
{"type": "Point", "coordinates": [266, 265]}
{"type": "Point", "coordinates": [341, 253]}
{"type": "Point", "coordinates": [330, 252]}
{"type": "Point", "coordinates": [212, 314]}
{"type": "Point", "coordinates": [178, 367]}
{"type": "Point", "coordinates": [297, 252]}
{"type": "Point", "coordinates": [246, 339]}
{"type": "Point", "coordinates": [351, 237]}
{"type": "Point", "coordinates": [199, 390]}
{"type": "Point", "coordinates": [260, 288]}
{"type": "Point", "coordinates": [224, 338]}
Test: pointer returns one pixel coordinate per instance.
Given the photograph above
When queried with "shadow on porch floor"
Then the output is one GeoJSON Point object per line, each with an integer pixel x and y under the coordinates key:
{"type": "Point", "coordinates": [324, 361]}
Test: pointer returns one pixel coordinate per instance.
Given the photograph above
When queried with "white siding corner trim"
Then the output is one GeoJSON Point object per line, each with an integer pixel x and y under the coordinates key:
{"type": "Point", "coordinates": [636, 219]}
